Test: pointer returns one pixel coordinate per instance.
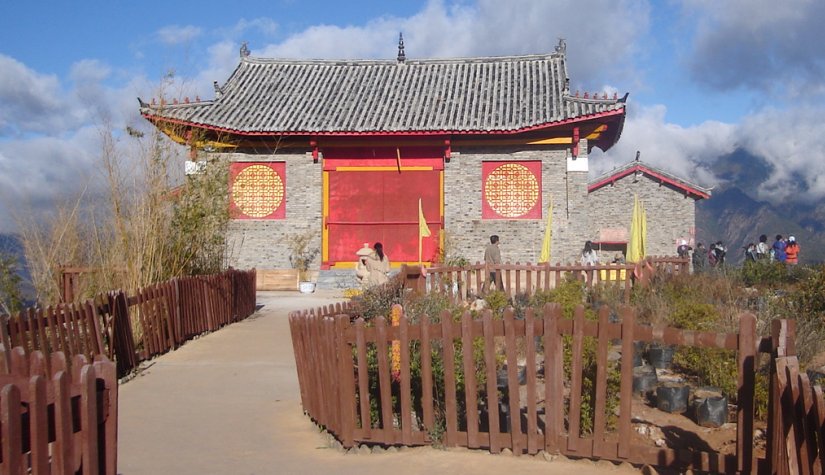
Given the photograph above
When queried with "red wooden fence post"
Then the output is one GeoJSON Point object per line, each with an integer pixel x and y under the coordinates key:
{"type": "Point", "coordinates": [745, 394]}
{"type": "Point", "coordinates": [346, 385]}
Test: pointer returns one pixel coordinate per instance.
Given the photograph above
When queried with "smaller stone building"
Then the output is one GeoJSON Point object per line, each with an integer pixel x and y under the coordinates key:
{"type": "Point", "coordinates": [669, 201]}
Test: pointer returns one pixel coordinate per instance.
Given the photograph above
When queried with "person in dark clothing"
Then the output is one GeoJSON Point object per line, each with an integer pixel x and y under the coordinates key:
{"type": "Point", "coordinates": [779, 249]}
{"type": "Point", "coordinates": [716, 254]}
{"type": "Point", "coordinates": [699, 258]}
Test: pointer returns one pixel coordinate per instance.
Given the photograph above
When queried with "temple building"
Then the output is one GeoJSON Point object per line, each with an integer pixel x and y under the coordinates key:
{"type": "Point", "coordinates": [345, 149]}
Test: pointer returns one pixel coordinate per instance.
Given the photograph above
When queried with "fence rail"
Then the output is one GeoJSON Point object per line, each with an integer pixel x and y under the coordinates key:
{"type": "Point", "coordinates": [467, 282]}
{"type": "Point", "coordinates": [58, 414]}
{"type": "Point", "coordinates": [357, 381]}
{"type": "Point", "coordinates": [130, 329]}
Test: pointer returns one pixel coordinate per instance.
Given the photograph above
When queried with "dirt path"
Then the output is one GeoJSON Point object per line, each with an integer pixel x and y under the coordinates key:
{"type": "Point", "coordinates": [228, 403]}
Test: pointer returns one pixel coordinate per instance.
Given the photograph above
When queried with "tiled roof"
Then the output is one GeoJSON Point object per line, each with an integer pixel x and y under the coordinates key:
{"type": "Point", "coordinates": [469, 95]}
{"type": "Point", "coordinates": [651, 172]}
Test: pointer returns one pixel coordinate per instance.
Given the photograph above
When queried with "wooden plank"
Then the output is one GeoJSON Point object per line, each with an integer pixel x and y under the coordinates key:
{"type": "Point", "coordinates": [11, 430]}
{"type": "Point", "coordinates": [553, 378]}
{"type": "Point", "coordinates": [470, 387]}
{"type": "Point", "coordinates": [808, 419]}
{"type": "Point", "coordinates": [363, 378]}
{"type": "Point", "coordinates": [745, 393]}
{"type": "Point", "coordinates": [574, 419]}
{"type": "Point", "coordinates": [88, 420]}
{"type": "Point", "coordinates": [427, 394]}
{"type": "Point", "coordinates": [798, 419]}
{"type": "Point", "coordinates": [492, 388]}
{"type": "Point", "coordinates": [106, 371]}
{"type": "Point", "coordinates": [39, 425]}
{"type": "Point", "coordinates": [451, 414]}
{"type": "Point", "coordinates": [628, 316]}
{"type": "Point", "coordinates": [405, 376]}
{"type": "Point", "coordinates": [512, 382]}
{"type": "Point", "coordinates": [533, 443]}
{"type": "Point", "coordinates": [787, 436]}
{"type": "Point", "coordinates": [384, 379]}
{"type": "Point", "coordinates": [63, 448]}
{"type": "Point", "coordinates": [599, 416]}
{"type": "Point", "coordinates": [819, 425]}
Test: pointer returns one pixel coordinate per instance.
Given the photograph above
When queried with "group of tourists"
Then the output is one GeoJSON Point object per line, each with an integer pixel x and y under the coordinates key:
{"type": "Point", "coordinates": [782, 250]}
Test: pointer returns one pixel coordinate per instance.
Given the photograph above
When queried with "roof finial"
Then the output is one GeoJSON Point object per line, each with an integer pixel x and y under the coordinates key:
{"type": "Point", "coordinates": [218, 89]}
{"type": "Point", "coordinates": [638, 154]}
{"type": "Point", "coordinates": [562, 46]}
{"type": "Point", "coordinates": [244, 50]}
{"type": "Point", "coordinates": [401, 56]}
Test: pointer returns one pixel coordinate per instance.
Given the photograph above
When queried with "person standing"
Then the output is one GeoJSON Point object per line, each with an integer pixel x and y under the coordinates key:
{"type": "Point", "coordinates": [492, 257]}
{"type": "Point", "coordinates": [699, 258]}
{"type": "Point", "coordinates": [762, 249]}
{"type": "Point", "coordinates": [792, 251]}
{"type": "Point", "coordinates": [779, 249]}
{"type": "Point", "coordinates": [589, 256]}
{"type": "Point", "coordinates": [683, 250]}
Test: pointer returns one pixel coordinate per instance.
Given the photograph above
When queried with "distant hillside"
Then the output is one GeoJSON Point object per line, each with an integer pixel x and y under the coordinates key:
{"type": "Point", "coordinates": [735, 217]}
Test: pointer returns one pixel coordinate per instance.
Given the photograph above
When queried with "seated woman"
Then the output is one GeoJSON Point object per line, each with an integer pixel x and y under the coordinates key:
{"type": "Point", "coordinates": [378, 266]}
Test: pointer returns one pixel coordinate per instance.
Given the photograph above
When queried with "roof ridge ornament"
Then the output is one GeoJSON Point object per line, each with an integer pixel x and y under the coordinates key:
{"type": "Point", "coordinates": [401, 56]}
{"type": "Point", "coordinates": [561, 48]}
{"type": "Point", "coordinates": [244, 50]}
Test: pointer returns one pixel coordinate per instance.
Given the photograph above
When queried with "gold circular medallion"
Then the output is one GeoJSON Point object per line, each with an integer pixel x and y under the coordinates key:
{"type": "Point", "coordinates": [511, 190]}
{"type": "Point", "coordinates": [258, 191]}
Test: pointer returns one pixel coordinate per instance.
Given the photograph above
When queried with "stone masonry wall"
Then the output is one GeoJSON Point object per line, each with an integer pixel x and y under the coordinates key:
{"type": "Point", "coordinates": [520, 239]}
{"type": "Point", "coordinates": [671, 215]}
{"type": "Point", "coordinates": [261, 243]}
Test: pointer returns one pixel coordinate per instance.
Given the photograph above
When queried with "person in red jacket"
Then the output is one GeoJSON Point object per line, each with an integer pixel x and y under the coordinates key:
{"type": "Point", "coordinates": [792, 251]}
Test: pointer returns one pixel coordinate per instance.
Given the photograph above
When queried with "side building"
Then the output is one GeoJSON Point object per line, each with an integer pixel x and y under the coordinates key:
{"type": "Point", "coordinates": [345, 149]}
{"type": "Point", "coordinates": [669, 202]}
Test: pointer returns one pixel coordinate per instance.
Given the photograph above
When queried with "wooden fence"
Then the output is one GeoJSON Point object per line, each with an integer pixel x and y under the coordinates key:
{"type": "Point", "coordinates": [130, 329]}
{"type": "Point", "coordinates": [796, 428]}
{"type": "Point", "coordinates": [466, 282]}
{"type": "Point", "coordinates": [351, 384]}
{"type": "Point", "coordinates": [58, 415]}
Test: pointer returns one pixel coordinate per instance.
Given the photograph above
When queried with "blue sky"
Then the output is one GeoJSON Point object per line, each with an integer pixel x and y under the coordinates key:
{"type": "Point", "coordinates": [705, 77]}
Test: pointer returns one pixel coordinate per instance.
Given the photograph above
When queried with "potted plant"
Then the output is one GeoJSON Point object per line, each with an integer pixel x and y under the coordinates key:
{"type": "Point", "coordinates": [301, 254]}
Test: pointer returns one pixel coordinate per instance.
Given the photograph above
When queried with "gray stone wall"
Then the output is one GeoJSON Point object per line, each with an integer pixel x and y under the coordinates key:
{"type": "Point", "coordinates": [520, 239]}
{"type": "Point", "coordinates": [671, 215]}
{"type": "Point", "coordinates": [577, 215]}
{"type": "Point", "coordinates": [261, 243]}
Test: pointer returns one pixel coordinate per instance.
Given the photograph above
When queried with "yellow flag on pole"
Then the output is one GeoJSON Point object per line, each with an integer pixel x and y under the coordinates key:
{"type": "Point", "coordinates": [636, 246]}
{"type": "Point", "coordinates": [548, 234]}
{"type": "Point", "coordinates": [423, 229]}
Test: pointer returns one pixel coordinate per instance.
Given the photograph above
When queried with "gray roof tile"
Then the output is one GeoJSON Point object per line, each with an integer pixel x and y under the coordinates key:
{"type": "Point", "coordinates": [497, 94]}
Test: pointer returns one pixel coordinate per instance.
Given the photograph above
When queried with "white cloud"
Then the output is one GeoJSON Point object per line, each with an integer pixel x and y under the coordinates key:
{"type": "Point", "coordinates": [30, 101]}
{"type": "Point", "coordinates": [176, 34]}
{"type": "Point", "coordinates": [601, 34]}
{"type": "Point", "coordinates": [792, 141]}
{"type": "Point", "coordinates": [263, 25]}
{"type": "Point", "coordinates": [759, 44]}
{"type": "Point", "coordinates": [687, 152]}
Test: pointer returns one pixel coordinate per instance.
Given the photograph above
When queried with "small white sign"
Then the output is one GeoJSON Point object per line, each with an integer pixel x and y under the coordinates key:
{"type": "Point", "coordinates": [578, 164]}
{"type": "Point", "coordinates": [193, 168]}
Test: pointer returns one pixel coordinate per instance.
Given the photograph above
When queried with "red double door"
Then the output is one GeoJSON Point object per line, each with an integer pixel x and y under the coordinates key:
{"type": "Point", "coordinates": [371, 195]}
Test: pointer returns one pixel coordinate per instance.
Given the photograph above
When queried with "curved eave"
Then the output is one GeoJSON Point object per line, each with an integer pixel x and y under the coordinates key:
{"type": "Point", "coordinates": [548, 125]}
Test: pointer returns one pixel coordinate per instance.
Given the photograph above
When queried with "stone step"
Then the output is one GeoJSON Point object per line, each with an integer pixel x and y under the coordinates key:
{"type": "Point", "coordinates": [332, 279]}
